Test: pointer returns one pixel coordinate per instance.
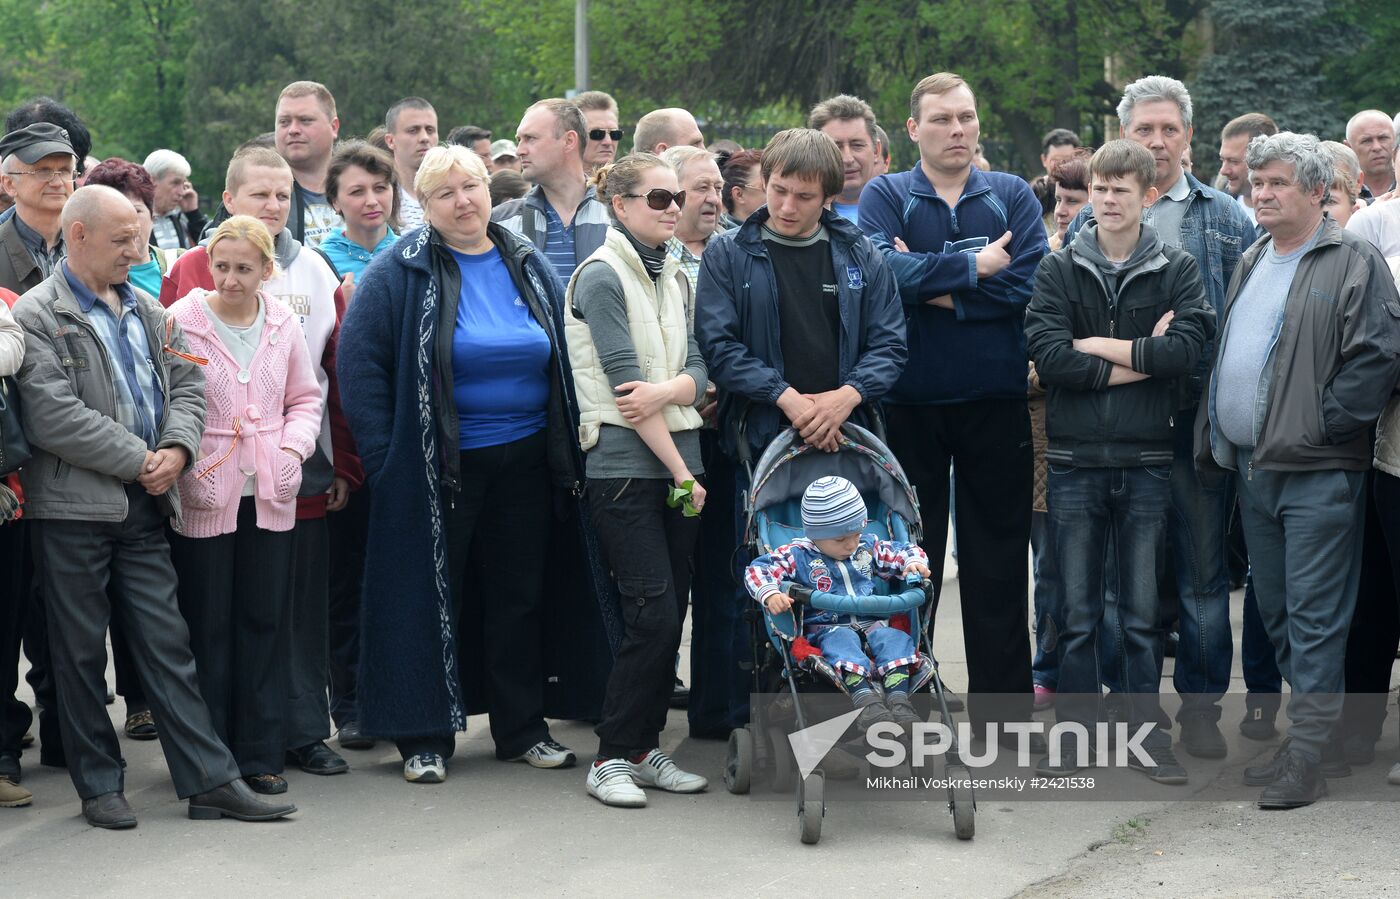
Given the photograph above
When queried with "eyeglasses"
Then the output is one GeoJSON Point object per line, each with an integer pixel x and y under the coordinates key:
{"type": "Point", "coordinates": [599, 134]}
{"type": "Point", "coordinates": [48, 175]}
{"type": "Point", "coordinates": [660, 198]}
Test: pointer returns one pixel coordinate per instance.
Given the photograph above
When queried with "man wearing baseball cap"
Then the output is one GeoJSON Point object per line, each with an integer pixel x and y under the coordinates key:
{"type": "Point", "coordinates": [504, 155]}
{"type": "Point", "coordinates": [38, 166]}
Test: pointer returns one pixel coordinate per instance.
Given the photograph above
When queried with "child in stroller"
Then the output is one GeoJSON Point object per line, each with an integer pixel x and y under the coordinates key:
{"type": "Point", "coordinates": [836, 556]}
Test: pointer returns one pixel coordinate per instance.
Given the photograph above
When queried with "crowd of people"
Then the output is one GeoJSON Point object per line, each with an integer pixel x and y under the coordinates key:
{"type": "Point", "coordinates": [411, 429]}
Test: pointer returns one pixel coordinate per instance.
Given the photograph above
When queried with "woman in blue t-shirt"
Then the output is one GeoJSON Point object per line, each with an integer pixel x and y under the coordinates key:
{"type": "Point", "coordinates": [453, 384]}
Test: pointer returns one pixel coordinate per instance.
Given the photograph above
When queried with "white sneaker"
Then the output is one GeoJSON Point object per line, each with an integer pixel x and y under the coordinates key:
{"type": "Point", "coordinates": [1394, 775]}
{"type": "Point", "coordinates": [611, 784]}
{"type": "Point", "coordinates": [657, 770]}
{"type": "Point", "coordinates": [425, 768]}
{"type": "Point", "coordinates": [548, 754]}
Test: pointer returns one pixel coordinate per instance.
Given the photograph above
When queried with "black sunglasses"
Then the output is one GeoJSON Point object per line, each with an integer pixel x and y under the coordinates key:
{"type": "Point", "coordinates": [599, 134]}
{"type": "Point", "coordinates": [660, 198]}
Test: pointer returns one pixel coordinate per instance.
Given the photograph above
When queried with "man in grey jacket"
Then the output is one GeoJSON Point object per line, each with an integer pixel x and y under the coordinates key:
{"type": "Point", "coordinates": [113, 407]}
{"type": "Point", "coordinates": [1309, 353]}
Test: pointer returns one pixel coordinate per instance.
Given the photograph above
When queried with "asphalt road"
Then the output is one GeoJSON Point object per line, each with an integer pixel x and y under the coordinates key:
{"type": "Point", "coordinates": [498, 828]}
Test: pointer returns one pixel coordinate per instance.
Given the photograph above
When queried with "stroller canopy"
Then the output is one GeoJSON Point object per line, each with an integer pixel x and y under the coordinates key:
{"type": "Point", "coordinates": [788, 466]}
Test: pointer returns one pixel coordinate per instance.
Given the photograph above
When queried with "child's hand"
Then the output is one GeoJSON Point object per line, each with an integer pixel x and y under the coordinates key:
{"type": "Point", "coordinates": [918, 568]}
{"type": "Point", "coordinates": [778, 602]}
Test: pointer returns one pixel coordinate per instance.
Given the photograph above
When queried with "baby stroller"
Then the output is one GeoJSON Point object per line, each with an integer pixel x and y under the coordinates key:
{"type": "Point", "coordinates": [785, 663]}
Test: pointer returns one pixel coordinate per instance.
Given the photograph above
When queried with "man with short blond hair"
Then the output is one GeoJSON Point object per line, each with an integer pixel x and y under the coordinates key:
{"type": "Point", "coordinates": [963, 245]}
{"type": "Point", "coordinates": [561, 215]}
{"type": "Point", "coordinates": [305, 129]}
{"type": "Point", "coordinates": [410, 130]}
{"type": "Point", "coordinates": [850, 122]}
{"type": "Point", "coordinates": [661, 129]}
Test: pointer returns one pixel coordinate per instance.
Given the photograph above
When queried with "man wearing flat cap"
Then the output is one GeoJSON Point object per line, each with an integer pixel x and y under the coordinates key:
{"type": "Point", "coordinates": [38, 167]}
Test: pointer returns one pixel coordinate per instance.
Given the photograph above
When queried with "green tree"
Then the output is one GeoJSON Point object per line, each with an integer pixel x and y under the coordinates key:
{"type": "Point", "coordinates": [1269, 57]}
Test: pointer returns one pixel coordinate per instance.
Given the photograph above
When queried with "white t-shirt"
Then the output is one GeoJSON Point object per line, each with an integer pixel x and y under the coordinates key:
{"type": "Point", "coordinates": [410, 211]}
{"type": "Point", "coordinates": [1380, 224]}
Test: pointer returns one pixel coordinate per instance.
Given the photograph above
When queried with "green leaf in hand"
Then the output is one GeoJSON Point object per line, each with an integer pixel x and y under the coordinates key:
{"type": "Point", "coordinates": [680, 497]}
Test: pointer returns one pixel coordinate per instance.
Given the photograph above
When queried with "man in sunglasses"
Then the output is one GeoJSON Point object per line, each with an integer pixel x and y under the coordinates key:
{"type": "Point", "coordinates": [561, 214]}
{"type": "Point", "coordinates": [600, 113]}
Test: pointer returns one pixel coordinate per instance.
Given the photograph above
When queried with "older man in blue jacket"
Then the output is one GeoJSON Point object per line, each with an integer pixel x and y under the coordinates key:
{"type": "Point", "coordinates": [799, 320]}
{"type": "Point", "coordinates": [964, 245]}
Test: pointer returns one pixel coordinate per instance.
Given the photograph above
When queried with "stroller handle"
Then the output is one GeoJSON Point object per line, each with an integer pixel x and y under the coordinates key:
{"type": "Point", "coordinates": [907, 601]}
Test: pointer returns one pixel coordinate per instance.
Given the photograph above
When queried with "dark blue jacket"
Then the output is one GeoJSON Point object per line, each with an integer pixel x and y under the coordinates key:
{"type": "Point", "coordinates": [736, 325]}
{"type": "Point", "coordinates": [396, 389]}
{"type": "Point", "coordinates": [978, 349]}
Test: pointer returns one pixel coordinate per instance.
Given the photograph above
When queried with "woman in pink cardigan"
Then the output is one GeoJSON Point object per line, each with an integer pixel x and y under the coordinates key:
{"type": "Point", "coordinates": [233, 546]}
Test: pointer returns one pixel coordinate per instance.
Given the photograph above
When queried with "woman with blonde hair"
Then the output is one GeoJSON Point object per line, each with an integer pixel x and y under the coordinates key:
{"type": "Point", "coordinates": [452, 378]}
{"type": "Point", "coordinates": [233, 546]}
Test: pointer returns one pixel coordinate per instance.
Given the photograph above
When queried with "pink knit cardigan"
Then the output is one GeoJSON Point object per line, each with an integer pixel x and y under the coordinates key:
{"type": "Point", "coordinates": [253, 417]}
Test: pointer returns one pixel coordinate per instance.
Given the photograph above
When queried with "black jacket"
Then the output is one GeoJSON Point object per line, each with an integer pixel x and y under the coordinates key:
{"type": "Point", "coordinates": [1090, 424]}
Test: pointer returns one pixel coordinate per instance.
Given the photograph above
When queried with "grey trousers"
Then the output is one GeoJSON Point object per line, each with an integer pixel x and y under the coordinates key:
{"type": "Point", "coordinates": [1304, 534]}
{"type": "Point", "coordinates": [75, 562]}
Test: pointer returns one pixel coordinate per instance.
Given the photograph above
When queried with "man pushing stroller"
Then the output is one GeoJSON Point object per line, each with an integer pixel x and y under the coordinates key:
{"type": "Point", "coordinates": [835, 555]}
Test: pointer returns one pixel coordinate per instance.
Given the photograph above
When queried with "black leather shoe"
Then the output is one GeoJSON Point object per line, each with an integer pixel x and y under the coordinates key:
{"type": "Point", "coordinates": [1201, 736]}
{"type": "Point", "coordinates": [680, 695]}
{"type": "Point", "coordinates": [236, 799]}
{"type": "Point", "coordinates": [1259, 715]}
{"type": "Point", "coordinates": [10, 769]}
{"type": "Point", "coordinates": [351, 737]}
{"type": "Point", "coordinates": [1266, 773]}
{"type": "Point", "coordinates": [1357, 750]}
{"type": "Point", "coordinates": [266, 784]}
{"type": "Point", "coordinates": [318, 758]}
{"type": "Point", "coordinates": [1300, 783]}
{"type": "Point", "coordinates": [1334, 761]}
{"type": "Point", "coordinates": [109, 811]}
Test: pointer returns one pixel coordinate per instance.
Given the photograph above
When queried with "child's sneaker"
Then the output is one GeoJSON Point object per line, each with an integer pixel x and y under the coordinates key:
{"type": "Point", "coordinates": [547, 753]}
{"type": "Point", "coordinates": [1044, 698]}
{"type": "Point", "coordinates": [610, 782]}
{"type": "Point", "coordinates": [657, 770]}
{"type": "Point", "coordinates": [872, 710]}
{"type": "Point", "coordinates": [902, 708]}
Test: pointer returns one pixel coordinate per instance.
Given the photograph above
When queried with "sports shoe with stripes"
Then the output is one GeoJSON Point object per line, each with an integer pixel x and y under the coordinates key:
{"type": "Point", "coordinates": [425, 768]}
{"type": "Point", "coordinates": [657, 770]}
{"type": "Point", "coordinates": [611, 783]}
{"type": "Point", "coordinates": [548, 754]}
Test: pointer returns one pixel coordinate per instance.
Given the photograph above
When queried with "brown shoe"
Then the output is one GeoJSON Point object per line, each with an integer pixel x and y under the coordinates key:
{"type": "Point", "coordinates": [141, 726]}
{"type": "Point", "coordinates": [12, 795]}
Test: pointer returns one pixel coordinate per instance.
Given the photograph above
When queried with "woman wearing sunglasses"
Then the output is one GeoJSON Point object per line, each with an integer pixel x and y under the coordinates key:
{"type": "Point", "coordinates": [638, 374]}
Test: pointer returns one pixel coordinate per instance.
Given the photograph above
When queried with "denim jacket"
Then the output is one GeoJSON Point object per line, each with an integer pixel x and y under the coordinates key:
{"type": "Point", "coordinates": [1216, 232]}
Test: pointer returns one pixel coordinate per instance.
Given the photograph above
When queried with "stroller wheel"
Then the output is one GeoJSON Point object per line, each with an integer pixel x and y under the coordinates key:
{"type": "Point", "coordinates": [784, 773]}
{"type": "Point", "coordinates": [738, 766]}
{"type": "Point", "coordinates": [811, 807]}
{"type": "Point", "coordinates": [962, 804]}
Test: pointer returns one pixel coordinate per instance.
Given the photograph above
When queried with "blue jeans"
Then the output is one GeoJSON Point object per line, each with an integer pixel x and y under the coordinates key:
{"type": "Point", "coordinates": [1304, 534]}
{"type": "Point", "coordinates": [840, 645]}
{"type": "Point", "coordinates": [1049, 614]}
{"type": "Point", "coordinates": [1088, 508]}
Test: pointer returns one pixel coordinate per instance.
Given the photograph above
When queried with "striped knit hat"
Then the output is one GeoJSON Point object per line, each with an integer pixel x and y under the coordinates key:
{"type": "Point", "coordinates": [832, 507]}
